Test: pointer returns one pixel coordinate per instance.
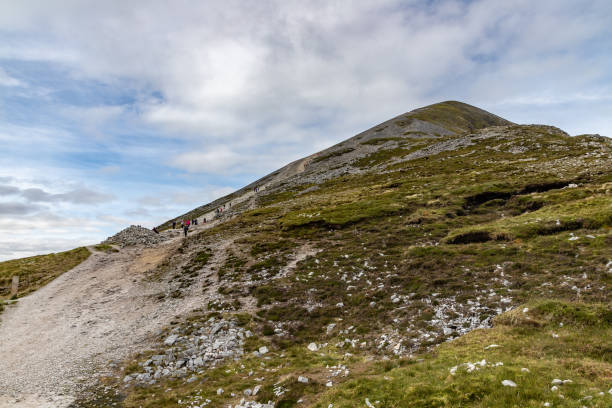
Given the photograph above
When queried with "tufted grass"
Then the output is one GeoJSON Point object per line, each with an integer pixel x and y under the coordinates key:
{"type": "Point", "coordinates": [581, 353]}
{"type": "Point", "coordinates": [36, 271]}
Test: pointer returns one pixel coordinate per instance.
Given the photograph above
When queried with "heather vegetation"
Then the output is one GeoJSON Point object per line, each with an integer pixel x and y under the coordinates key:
{"type": "Point", "coordinates": [444, 258]}
{"type": "Point", "coordinates": [438, 270]}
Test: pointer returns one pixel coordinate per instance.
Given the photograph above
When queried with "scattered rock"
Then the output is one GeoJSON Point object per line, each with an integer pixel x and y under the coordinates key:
{"type": "Point", "coordinates": [171, 340]}
{"type": "Point", "coordinates": [508, 383]}
{"type": "Point", "coordinates": [196, 351]}
{"type": "Point", "coordinates": [313, 347]}
{"type": "Point", "coordinates": [302, 379]}
{"type": "Point", "coordinates": [135, 235]}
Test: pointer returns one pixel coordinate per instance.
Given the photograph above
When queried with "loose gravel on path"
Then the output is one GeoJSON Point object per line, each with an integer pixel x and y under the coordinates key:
{"type": "Point", "coordinates": [60, 335]}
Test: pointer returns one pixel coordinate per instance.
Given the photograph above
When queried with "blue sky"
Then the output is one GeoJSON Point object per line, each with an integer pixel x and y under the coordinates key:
{"type": "Point", "coordinates": [113, 113]}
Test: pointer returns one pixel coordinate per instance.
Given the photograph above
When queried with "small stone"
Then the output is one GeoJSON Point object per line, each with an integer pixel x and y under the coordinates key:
{"type": "Point", "coordinates": [329, 384]}
{"type": "Point", "coordinates": [525, 309]}
{"type": "Point", "coordinates": [220, 391]}
{"type": "Point", "coordinates": [508, 383]}
{"type": "Point", "coordinates": [171, 340]}
{"type": "Point", "coordinates": [313, 347]}
{"type": "Point", "coordinates": [556, 381]}
{"type": "Point", "coordinates": [339, 304]}
{"type": "Point", "coordinates": [263, 350]}
{"type": "Point", "coordinates": [525, 370]}
{"type": "Point", "coordinates": [248, 392]}
{"type": "Point", "coordinates": [256, 389]}
{"type": "Point", "coordinates": [491, 346]}
{"type": "Point", "coordinates": [554, 388]}
{"type": "Point", "coordinates": [302, 379]}
{"type": "Point", "coordinates": [330, 328]}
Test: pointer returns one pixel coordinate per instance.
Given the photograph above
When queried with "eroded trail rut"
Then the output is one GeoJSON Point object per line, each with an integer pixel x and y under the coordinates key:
{"type": "Point", "coordinates": [61, 335]}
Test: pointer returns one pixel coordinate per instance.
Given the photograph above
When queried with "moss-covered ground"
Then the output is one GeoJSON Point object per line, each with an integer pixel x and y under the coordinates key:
{"type": "Point", "coordinates": [36, 271]}
{"type": "Point", "coordinates": [410, 257]}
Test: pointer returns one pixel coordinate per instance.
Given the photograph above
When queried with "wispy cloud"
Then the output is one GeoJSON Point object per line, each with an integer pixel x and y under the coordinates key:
{"type": "Point", "coordinates": [177, 99]}
{"type": "Point", "coordinates": [7, 80]}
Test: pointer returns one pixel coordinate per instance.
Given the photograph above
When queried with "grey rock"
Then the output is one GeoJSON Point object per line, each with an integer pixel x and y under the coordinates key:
{"type": "Point", "coordinates": [171, 340]}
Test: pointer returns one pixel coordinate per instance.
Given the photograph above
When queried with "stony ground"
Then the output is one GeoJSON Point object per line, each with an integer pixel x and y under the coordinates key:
{"type": "Point", "coordinates": [100, 311]}
{"type": "Point", "coordinates": [369, 274]}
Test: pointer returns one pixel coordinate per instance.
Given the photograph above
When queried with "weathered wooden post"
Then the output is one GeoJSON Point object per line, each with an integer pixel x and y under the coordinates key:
{"type": "Point", "coordinates": [15, 286]}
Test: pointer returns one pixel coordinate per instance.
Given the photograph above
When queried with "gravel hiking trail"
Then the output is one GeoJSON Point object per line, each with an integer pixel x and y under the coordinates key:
{"type": "Point", "coordinates": [59, 338]}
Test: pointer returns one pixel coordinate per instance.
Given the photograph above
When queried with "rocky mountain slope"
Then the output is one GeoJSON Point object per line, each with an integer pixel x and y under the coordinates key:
{"type": "Point", "coordinates": [444, 258]}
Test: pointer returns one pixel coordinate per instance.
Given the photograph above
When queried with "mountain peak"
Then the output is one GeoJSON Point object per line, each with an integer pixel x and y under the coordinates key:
{"type": "Point", "coordinates": [450, 117]}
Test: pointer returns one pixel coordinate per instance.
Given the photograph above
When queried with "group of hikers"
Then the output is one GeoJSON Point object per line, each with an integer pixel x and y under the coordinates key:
{"type": "Point", "coordinates": [185, 224]}
{"type": "Point", "coordinates": [188, 222]}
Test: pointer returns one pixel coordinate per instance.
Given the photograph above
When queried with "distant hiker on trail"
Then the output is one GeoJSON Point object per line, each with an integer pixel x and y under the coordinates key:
{"type": "Point", "coordinates": [204, 221]}
{"type": "Point", "coordinates": [185, 229]}
{"type": "Point", "coordinates": [182, 223]}
{"type": "Point", "coordinates": [195, 222]}
{"type": "Point", "coordinates": [174, 224]}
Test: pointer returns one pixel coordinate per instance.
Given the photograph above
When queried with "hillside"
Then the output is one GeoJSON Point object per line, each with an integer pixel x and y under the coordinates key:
{"type": "Point", "coordinates": [446, 257]}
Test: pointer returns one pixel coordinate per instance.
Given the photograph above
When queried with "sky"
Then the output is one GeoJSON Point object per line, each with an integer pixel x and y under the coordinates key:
{"type": "Point", "coordinates": [132, 112]}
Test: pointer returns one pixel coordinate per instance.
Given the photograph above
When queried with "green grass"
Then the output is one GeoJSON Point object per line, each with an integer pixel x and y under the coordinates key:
{"type": "Point", "coordinates": [456, 116]}
{"type": "Point", "coordinates": [382, 140]}
{"type": "Point", "coordinates": [405, 231]}
{"type": "Point", "coordinates": [105, 248]}
{"type": "Point", "coordinates": [336, 153]}
{"type": "Point", "coordinates": [581, 353]}
{"type": "Point", "coordinates": [36, 271]}
{"type": "Point", "coordinates": [589, 213]}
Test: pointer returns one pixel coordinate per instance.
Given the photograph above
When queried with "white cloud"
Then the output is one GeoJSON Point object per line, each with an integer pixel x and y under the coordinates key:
{"type": "Point", "coordinates": [109, 169]}
{"type": "Point", "coordinates": [227, 91]}
{"type": "Point", "coordinates": [7, 80]}
{"type": "Point", "coordinates": [213, 160]}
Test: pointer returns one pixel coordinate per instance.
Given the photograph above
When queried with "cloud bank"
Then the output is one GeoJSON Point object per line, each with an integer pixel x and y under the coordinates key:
{"type": "Point", "coordinates": [184, 99]}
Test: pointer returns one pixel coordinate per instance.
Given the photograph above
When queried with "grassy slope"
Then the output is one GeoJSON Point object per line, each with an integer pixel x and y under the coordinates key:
{"type": "Point", "coordinates": [36, 271]}
{"type": "Point", "coordinates": [580, 353]}
{"type": "Point", "coordinates": [393, 233]}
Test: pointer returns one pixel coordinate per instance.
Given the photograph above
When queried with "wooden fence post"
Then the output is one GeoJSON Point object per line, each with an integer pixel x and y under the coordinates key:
{"type": "Point", "coordinates": [15, 286]}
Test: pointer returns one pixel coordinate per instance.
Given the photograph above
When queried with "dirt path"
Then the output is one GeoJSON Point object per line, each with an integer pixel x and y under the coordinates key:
{"type": "Point", "coordinates": [60, 337]}
{"type": "Point", "coordinates": [102, 310]}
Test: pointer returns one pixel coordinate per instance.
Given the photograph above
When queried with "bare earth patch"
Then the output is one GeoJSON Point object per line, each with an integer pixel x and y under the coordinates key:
{"type": "Point", "coordinates": [54, 339]}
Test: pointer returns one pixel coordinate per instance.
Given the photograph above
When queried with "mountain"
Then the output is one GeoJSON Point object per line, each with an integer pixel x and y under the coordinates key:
{"type": "Point", "coordinates": [356, 155]}
{"type": "Point", "coordinates": [446, 257]}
